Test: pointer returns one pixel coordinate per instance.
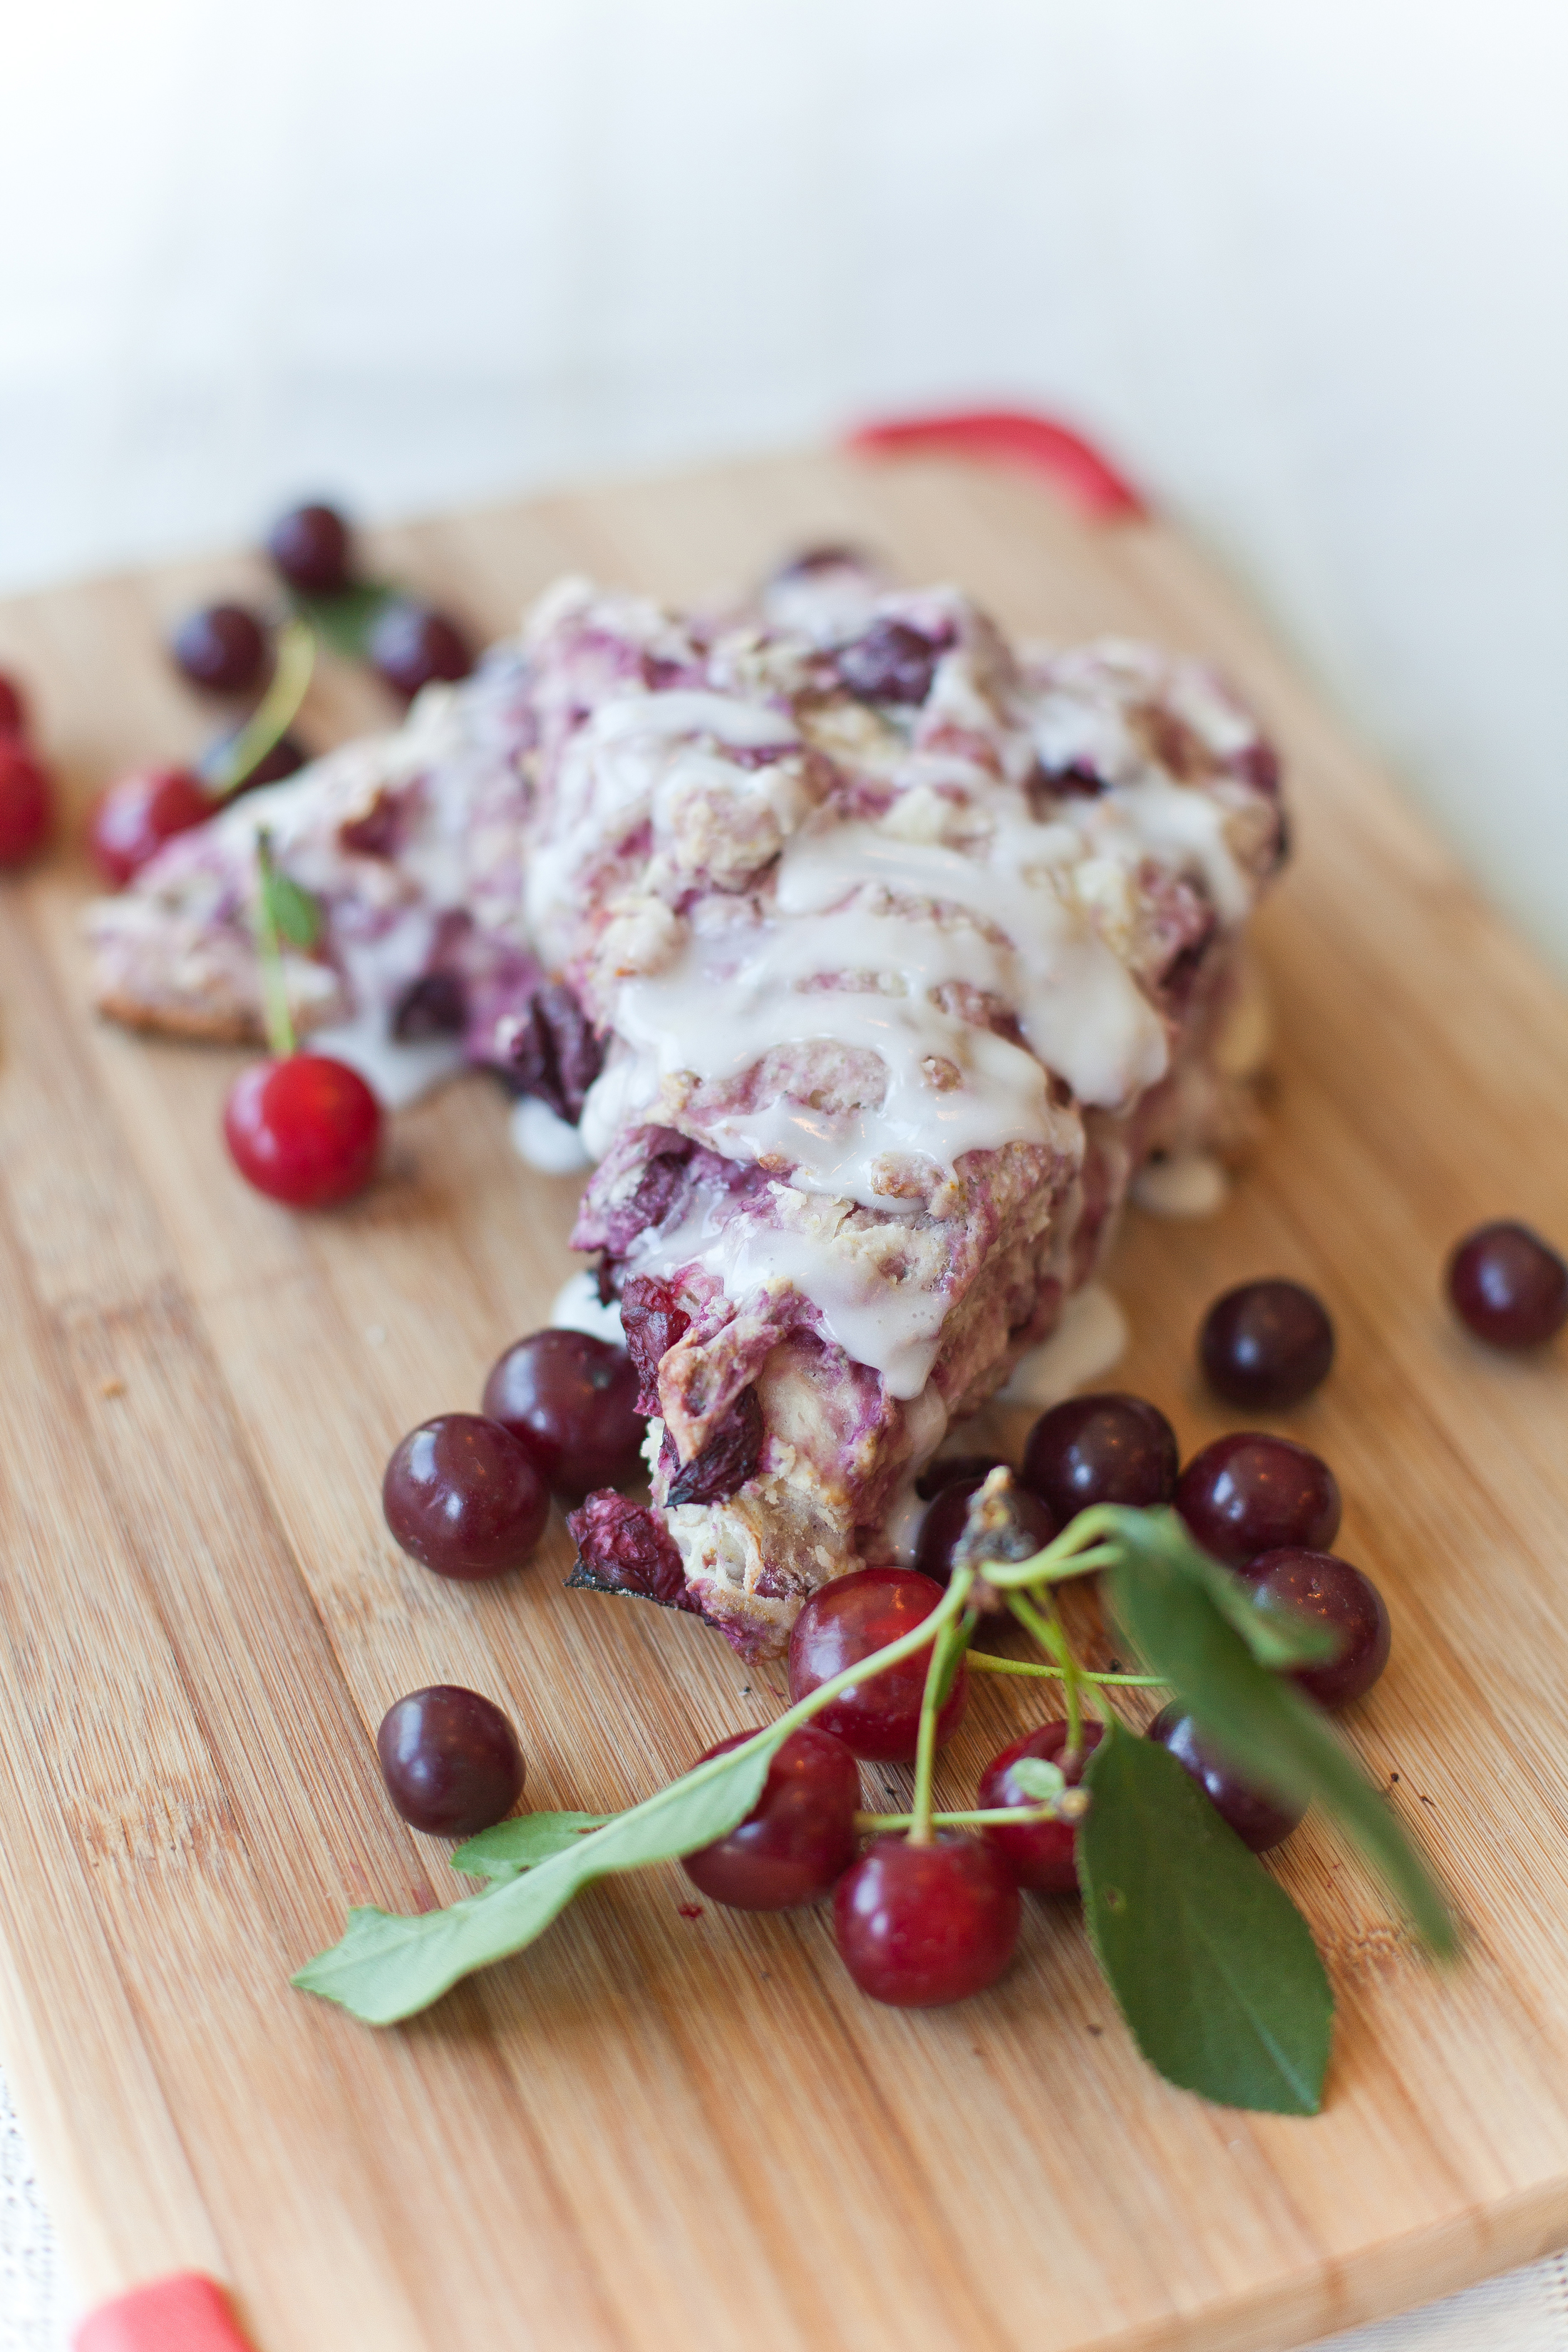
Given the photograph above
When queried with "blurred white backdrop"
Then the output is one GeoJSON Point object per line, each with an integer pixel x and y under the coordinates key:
{"type": "Point", "coordinates": [1300, 266]}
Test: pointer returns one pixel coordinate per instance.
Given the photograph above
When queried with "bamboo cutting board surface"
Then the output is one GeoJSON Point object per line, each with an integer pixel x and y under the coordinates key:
{"type": "Point", "coordinates": [655, 2130]}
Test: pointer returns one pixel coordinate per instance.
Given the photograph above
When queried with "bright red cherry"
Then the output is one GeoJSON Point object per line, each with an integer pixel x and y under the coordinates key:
{"type": "Point", "coordinates": [571, 1400]}
{"type": "Point", "coordinates": [26, 804]}
{"type": "Point", "coordinates": [1040, 1854]}
{"type": "Point", "coordinates": [1101, 1449]}
{"type": "Point", "coordinates": [311, 548]}
{"type": "Point", "coordinates": [1250, 1493]}
{"type": "Point", "coordinates": [464, 1498]}
{"type": "Point", "coordinates": [13, 708]}
{"type": "Point", "coordinates": [411, 647]}
{"type": "Point", "coordinates": [1327, 1589]}
{"type": "Point", "coordinates": [450, 1761]}
{"type": "Point", "coordinates": [945, 1519]}
{"type": "Point", "coordinates": [1265, 1344]}
{"type": "Point", "coordinates": [1259, 1821]}
{"type": "Point", "coordinates": [799, 1837]}
{"type": "Point", "coordinates": [1509, 1286]}
{"type": "Point", "coordinates": [221, 649]}
{"type": "Point", "coordinates": [845, 1621]}
{"type": "Point", "coordinates": [305, 1129]}
{"type": "Point", "coordinates": [133, 819]}
{"type": "Point", "coordinates": [917, 1926]}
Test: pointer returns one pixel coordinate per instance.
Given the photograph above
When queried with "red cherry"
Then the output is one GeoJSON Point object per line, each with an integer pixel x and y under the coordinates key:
{"type": "Point", "coordinates": [313, 548]}
{"type": "Point", "coordinates": [1250, 1493]}
{"type": "Point", "coordinates": [13, 709]}
{"type": "Point", "coordinates": [221, 649]}
{"type": "Point", "coordinates": [798, 1838]}
{"type": "Point", "coordinates": [450, 1760]}
{"type": "Point", "coordinates": [464, 1498]}
{"type": "Point", "coordinates": [1041, 1854]}
{"type": "Point", "coordinates": [845, 1621]}
{"type": "Point", "coordinates": [1325, 1588]}
{"type": "Point", "coordinates": [920, 1925]}
{"type": "Point", "coordinates": [1259, 1821]}
{"type": "Point", "coordinates": [948, 1516]}
{"type": "Point", "coordinates": [26, 809]}
{"type": "Point", "coordinates": [1509, 1286]}
{"type": "Point", "coordinates": [412, 646]}
{"type": "Point", "coordinates": [133, 818]}
{"type": "Point", "coordinates": [571, 1400]}
{"type": "Point", "coordinates": [305, 1129]}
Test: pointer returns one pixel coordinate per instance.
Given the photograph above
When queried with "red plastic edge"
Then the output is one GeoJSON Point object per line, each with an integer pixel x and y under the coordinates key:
{"type": "Point", "coordinates": [183, 2313]}
{"type": "Point", "coordinates": [1016, 436]}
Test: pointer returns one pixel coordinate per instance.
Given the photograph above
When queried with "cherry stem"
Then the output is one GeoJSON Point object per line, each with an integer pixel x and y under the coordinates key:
{"type": "Point", "coordinates": [1014, 1816]}
{"type": "Point", "coordinates": [938, 1682]}
{"type": "Point", "coordinates": [984, 1663]}
{"type": "Point", "coordinates": [279, 1019]}
{"type": "Point", "coordinates": [1050, 1633]}
{"type": "Point", "coordinates": [273, 715]}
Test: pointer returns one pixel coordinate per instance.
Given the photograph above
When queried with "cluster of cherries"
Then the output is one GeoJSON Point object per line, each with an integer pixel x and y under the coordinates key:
{"type": "Point", "coordinates": [226, 650]}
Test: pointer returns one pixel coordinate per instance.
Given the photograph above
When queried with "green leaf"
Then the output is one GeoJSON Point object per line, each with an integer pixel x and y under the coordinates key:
{"type": "Point", "coordinates": [1212, 1965]}
{"type": "Point", "coordinates": [386, 1968]}
{"type": "Point", "coordinates": [345, 622]}
{"type": "Point", "coordinates": [293, 911]}
{"type": "Point", "coordinates": [521, 1844]}
{"type": "Point", "coordinates": [1037, 1778]}
{"type": "Point", "coordinates": [1269, 1730]}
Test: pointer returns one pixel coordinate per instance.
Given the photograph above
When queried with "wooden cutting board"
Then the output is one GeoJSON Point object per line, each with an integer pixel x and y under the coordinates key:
{"type": "Point", "coordinates": [658, 2130]}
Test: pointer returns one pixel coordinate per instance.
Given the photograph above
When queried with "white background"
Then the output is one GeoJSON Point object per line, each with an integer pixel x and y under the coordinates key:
{"type": "Point", "coordinates": [1300, 264]}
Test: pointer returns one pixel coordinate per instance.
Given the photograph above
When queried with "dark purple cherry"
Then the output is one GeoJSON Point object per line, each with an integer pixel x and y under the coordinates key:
{"type": "Point", "coordinates": [1101, 1449]}
{"type": "Point", "coordinates": [1328, 1592]}
{"type": "Point", "coordinates": [843, 1623]}
{"type": "Point", "coordinates": [571, 1401]}
{"type": "Point", "coordinates": [1265, 1344]}
{"type": "Point", "coordinates": [945, 1522]}
{"type": "Point", "coordinates": [464, 1498]}
{"type": "Point", "coordinates": [918, 1925]}
{"type": "Point", "coordinates": [310, 547]}
{"type": "Point", "coordinates": [1258, 1821]}
{"type": "Point", "coordinates": [411, 645]}
{"type": "Point", "coordinates": [450, 1761]}
{"type": "Point", "coordinates": [892, 663]}
{"type": "Point", "coordinates": [1040, 1854]}
{"type": "Point", "coordinates": [1250, 1493]}
{"type": "Point", "coordinates": [222, 648]}
{"type": "Point", "coordinates": [798, 1838]}
{"type": "Point", "coordinates": [1509, 1286]}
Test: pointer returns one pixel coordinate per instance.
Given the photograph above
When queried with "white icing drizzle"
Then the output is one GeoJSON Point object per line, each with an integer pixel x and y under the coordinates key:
{"type": "Point", "coordinates": [398, 1075]}
{"type": "Point", "coordinates": [578, 1308]}
{"type": "Point", "coordinates": [546, 1142]}
{"type": "Point", "coordinates": [1190, 1184]}
{"type": "Point", "coordinates": [1088, 1340]}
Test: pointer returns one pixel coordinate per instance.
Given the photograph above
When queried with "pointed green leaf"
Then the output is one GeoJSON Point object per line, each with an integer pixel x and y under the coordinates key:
{"type": "Point", "coordinates": [522, 1844]}
{"type": "Point", "coordinates": [1212, 1965]}
{"type": "Point", "coordinates": [294, 912]}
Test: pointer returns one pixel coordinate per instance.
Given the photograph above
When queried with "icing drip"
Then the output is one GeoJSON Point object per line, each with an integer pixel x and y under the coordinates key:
{"type": "Point", "coordinates": [1088, 1340]}
{"type": "Point", "coordinates": [1193, 1184]}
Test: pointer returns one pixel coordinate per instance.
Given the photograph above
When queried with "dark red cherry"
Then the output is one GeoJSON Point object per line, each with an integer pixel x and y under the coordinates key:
{"type": "Point", "coordinates": [305, 1129]}
{"type": "Point", "coordinates": [918, 1925]}
{"type": "Point", "coordinates": [1265, 1344]}
{"type": "Point", "coordinates": [133, 819]}
{"type": "Point", "coordinates": [26, 803]}
{"type": "Point", "coordinates": [221, 649]}
{"type": "Point", "coordinates": [798, 1838]}
{"type": "Point", "coordinates": [1250, 1493]}
{"type": "Point", "coordinates": [1509, 1286]}
{"type": "Point", "coordinates": [13, 707]}
{"type": "Point", "coordinates": [1258, 1821]}
{"type": "Point", "coordinates": [310, 547]}
{"type": "Point", "coordinates": [571, 1400]}
{"type": "Point", "coordinates": [411, 645]}
{"type": "Point", "coordinates": [1101, 1449]}
{"type": "Point", "coordinates": [450, 1761]}
{"type": "Point", "coordinates": [892, 663]}
{"type": "Point", "coordinates": [944, 1523]}
{"type": "Point", "coordinates": [1328, 1592]}
{"type": "Point", "coordinates": [1040, 1854]}
{"type": "Point", "coordinates": [464, 1498]}
{"type": "Point", "coordinates": [843, 1623]}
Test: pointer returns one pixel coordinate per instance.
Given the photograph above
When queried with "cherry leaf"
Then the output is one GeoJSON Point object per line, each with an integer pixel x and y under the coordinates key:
{"type": "Point", "coordinates": [522, 1844]}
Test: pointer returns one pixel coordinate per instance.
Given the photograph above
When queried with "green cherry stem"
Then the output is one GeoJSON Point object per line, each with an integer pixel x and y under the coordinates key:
{"type": "Point", "coordinates": [279, 1021]}
{"type": "Point", "coordinates": [273, 715]}
{"type": "Point", "coordinates": [938, 1678]}
{"type": "Point", "coordinates": [1014, 1816]}
{"type": "Point", "coordinates": [984, 1663]}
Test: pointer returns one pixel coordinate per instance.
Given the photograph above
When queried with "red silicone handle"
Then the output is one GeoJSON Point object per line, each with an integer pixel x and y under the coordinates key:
{"type": "Point", "coordinates": [1017, 438]}
{"type": "Point", "coordinates": [183, 2313]}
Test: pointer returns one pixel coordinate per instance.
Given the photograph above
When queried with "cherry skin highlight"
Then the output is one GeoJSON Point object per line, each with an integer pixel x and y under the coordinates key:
{"type": "Point", "coordinates": [1259, 1821]}
{"type": "Point", "coordinates": [799, 1837]}
{"type": "Point", "coordinates": [222, 648]}
{"type": "Point", "coordinates": [450, 1761]}
{"type": "Point", "coordinates": [1101, 1449]}
{"type": "Point", "coordinates": [571, 1401]}
{"type": "Point", "coordinates": [133, 818]}
{"type": "Point", "coordinates": [464, 1498]}
{"type": "Point", "coordinates": [845, 1621]}
{"type": "Point", "coordinates": [919, 1925]}
{"type": "Point", "coordinates": [26, 804]}
{"type": "Point", "coordinates": [1265, 1344]}
{"type": "Point", "coordinates": [1042, 1855]}
{"type": "Point", "coordinates": [1320, 1586]}
{"type": "Point", "coordinates": [1509, 1286]}
{"type": "Point", "coordinates": [310, 547]}
{"type": "Point", "coordinates": [1250, 1493]}
{"type": "Point", "coordinates": [305, 1129]}
{"type": "Point", "coordinates": [944, 1524]}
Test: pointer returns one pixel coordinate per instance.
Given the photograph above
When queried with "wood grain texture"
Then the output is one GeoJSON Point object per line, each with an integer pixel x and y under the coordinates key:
{"type": "Point", "coordinates": [654, 2131]}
